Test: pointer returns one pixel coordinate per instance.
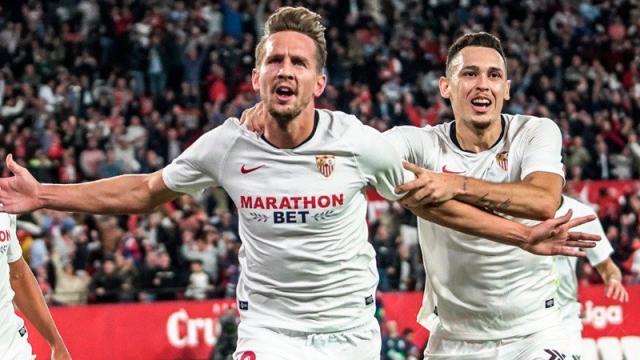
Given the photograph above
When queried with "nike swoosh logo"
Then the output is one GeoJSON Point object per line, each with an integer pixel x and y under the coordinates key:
{"type": "Point", "coordinates": [445, 170]}
{"type": "Point", "coordinates": [248, 170]}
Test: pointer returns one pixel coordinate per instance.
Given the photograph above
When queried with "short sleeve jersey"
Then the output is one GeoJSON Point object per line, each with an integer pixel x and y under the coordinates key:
{"type": "Point", "coordinates": [306, 263]}
{"type": "Point", "coordinates": [10, 251]}
{"type": "Point", "coordinates": [485, 290]}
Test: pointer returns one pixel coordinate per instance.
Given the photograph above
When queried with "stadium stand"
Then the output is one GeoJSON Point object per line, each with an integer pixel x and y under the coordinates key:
{"type": "Point", "coordinates": [97, 88]}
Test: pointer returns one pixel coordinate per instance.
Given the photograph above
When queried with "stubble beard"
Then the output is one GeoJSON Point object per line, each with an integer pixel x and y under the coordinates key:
{"type": "Point", "coordinates": [481, 125]}
{"type": "Point", "coordinates": [484, 123]}
{"type": "Point", "coordinates": [283, 118]}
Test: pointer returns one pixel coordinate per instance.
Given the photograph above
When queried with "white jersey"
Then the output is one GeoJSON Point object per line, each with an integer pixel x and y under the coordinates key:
{"type": "Point", "coordinates": [485, 290]}
{"type": "Point", "coordinates": [10, 251]}
{"type": "Point", "coordinates": [566, 266]}
{"type": "Point", "coordinates": [306, 263]}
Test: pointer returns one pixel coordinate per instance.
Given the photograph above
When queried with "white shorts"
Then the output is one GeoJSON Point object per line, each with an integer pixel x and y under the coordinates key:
{"type": "Point", "coordinates": [14, 338]}
{"type": "Point", "coordinates": [259, 343]}
{"type": "Point", "coordinates": [18, 347]}
{"type": "Point", "coordinates": [551, 343]}
{"type": "Point", "coordinates": [574, 332]}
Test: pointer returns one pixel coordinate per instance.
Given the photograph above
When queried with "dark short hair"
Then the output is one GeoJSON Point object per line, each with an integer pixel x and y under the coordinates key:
{"type": "Point", "coordinates": [481, 39]}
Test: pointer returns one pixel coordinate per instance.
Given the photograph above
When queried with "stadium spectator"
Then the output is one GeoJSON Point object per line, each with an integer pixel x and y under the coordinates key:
{"type": "Point", "coordinates": [71, 285]}
{"type": "Point", "coordinates": [128, 274]}
{"type": "Point", "coordinates": [203, 249]}
{"type": "Point", "coordinates": [109, 166]}
{"type": "Point", "coordinates": [106, 283]}
{"type": "Point", "coordinates": [159, 279]}
{"type": "Point", "coordinates": [394, 345]}
{"type": "Point", "coordinates": [386, 258]}
{"type": "Point", "coordinates": [199, 285]}
{"type": "Point", "coordinates": [578, 155]}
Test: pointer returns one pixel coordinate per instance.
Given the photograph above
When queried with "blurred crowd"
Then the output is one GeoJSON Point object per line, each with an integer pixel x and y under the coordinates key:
{"type": "Point", "coordinates": [397, 344]}
{"type": "Point", "coordinates": [618, 207]}
{"type": "Point", "coordinates": [91, 89]}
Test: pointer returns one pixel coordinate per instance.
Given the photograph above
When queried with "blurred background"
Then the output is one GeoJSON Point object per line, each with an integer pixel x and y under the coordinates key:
{"type": "Point", "coordinates": [91, 89]}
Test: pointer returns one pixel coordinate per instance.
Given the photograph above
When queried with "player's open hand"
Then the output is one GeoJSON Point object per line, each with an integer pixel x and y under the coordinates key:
{"type": "Point", "coordinates": [614, 289]}
{"type": "Point", "coordinates": [19, 193]}
{"type": "Point", "coordinates": [428, 187]}
{"type": "Point", "coordinates": [254, 118]}
{"type": "Point", "coordinates": [552, 237]}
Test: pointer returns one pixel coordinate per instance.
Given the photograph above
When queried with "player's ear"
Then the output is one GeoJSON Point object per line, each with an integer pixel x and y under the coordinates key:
{"type": "Point", "coordinates": [321, 84]}
{"type": "Point", "coordinates": [255, 80]}
{"type": "Point", "coordinates": [507, 94]}
{"type": "Point", "coordinates": [443, 84]}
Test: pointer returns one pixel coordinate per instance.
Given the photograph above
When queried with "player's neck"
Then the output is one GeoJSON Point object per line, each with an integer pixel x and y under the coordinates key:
{"type": "Point", "coordinates": [475, 139]}
{"type": "Point", "coordinates": [292, 133]}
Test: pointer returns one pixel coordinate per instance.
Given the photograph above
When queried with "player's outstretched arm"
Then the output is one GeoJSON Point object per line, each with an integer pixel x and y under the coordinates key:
{"type": "Point", "coordinates": [551, 237]}
{"type": "Point", "coordinates": [536, 197]}
{"type": "Point", "coordinates": [118, 195]}
{"type": "Point", "coordinates": [612, 278]}
{"type": "Point", "coordinates": [30, 301]}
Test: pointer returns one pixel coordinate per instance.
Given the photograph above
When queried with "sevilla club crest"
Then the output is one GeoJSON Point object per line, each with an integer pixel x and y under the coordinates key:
{"type": "Point", "coordinates": [248, 355]}
{"type": "Point", "coordinates": [326, 164]}
{"type": "Point", "coordinates": [502, 159]}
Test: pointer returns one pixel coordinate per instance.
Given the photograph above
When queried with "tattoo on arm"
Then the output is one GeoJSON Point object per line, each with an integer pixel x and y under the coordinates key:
{"type": "Point", "coordinates": [489, 205]}
{"type": "Point", "coordinates": [484, 202]}
{"type": "Point", "coordinates": [504, 205]}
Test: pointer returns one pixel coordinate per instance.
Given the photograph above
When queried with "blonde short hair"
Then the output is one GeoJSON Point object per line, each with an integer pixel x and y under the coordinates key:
{"type": "Point", "coordinates": [298, 19]}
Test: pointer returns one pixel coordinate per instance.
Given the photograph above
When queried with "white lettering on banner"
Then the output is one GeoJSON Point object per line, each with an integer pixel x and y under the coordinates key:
{"type": "Point", "coordinates": [601, 316]}
{"type": "Point", "coordinates": [608, 348]}
{"type": "Point", "coordinates": [217, 309]}
{"type": "Point", "coordinates": [193, 327]}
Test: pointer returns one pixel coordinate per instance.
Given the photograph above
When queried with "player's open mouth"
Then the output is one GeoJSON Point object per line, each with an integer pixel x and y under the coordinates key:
{"type": "Point", "coordinates": [481, 104]}
{"type": "Point", "coordinates": [284, 92]}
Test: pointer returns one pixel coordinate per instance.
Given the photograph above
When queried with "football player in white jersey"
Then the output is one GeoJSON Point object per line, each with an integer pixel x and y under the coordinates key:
{"type": "Point", "coordinates": [598, 257]}
{"type": "Point", "coordinates": [308, 278]}
{"type": "Point", "coordinates": [17, 284]}
{"type": "Point", "coordinates": [493, 301]}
